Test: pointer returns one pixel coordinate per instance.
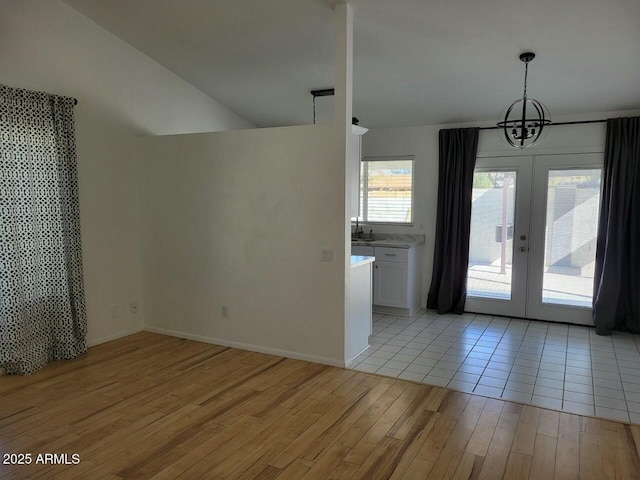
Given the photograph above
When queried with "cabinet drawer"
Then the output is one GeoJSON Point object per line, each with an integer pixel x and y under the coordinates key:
{"type": "Point", "coordinates": [389, 254]}
{"type": "Point", "coordinates": [361, 250]}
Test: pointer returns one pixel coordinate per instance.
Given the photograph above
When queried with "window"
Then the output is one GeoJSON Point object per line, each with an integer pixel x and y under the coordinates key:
{"type": "Point", "coordinates": [386, 190]}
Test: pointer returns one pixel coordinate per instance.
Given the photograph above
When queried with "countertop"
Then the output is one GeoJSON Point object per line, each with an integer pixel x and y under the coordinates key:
{"type": "Point", "coordinates": [391, 240]}
{"type": "Point", "coordinates": [359, 260]}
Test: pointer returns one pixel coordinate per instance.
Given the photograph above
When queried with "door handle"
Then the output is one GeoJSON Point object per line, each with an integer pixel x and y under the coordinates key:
{"type": "Point", "coordinates": [524, 249]}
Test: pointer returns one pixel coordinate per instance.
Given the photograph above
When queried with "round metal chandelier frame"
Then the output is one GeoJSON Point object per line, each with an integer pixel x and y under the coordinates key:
{"type": "Point", "coordinates": [529, 127]}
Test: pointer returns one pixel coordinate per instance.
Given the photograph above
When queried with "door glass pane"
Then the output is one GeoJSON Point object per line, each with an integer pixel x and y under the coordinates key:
{"type": "Point", "coordinates": [491, 244]}
{"type": "Point", "coordinates": [573, 202]}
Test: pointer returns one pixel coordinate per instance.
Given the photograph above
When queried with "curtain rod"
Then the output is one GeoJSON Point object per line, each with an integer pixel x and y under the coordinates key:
{"type": "Point", "coordinates": [552, 124]}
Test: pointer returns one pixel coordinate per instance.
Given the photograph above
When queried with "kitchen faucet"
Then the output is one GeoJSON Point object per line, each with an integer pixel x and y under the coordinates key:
{"type": "Point", "coordinates": [359, 232]}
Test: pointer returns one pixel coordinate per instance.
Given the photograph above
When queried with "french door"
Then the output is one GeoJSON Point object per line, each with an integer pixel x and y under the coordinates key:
{"type": "Point", "coordinates": [533, 236]}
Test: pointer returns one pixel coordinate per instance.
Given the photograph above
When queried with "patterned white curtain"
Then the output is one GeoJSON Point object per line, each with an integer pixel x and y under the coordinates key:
{"type": "Point", "coordinates": [42, 310]}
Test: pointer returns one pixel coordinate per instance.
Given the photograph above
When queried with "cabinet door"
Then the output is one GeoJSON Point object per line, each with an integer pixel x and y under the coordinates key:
{"type": "Point", "coordinates": [390, 284]}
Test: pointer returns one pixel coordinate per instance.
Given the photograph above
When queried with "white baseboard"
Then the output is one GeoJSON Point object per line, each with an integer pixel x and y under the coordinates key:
{"type": "Point", "coordinates": [350, 360]}
{"type": "Point", "coordinates": [115, 336]}
{"type": "Point", "coordinates": [402, 312]}
{"type": "Point", "coordinates": [247, 346]}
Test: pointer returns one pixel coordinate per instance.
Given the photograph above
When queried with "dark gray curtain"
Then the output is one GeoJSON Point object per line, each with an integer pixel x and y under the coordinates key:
{"type": "Point", "coordinates": [42, 311]}
{"type": "Point", "coordinates": [458, 149]}
{"type": "Point", "coordinates": [616, 303]}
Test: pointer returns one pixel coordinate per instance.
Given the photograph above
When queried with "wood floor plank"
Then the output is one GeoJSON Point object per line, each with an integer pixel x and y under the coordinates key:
{"type": "Point", "coordinates": [548, 424]}
{"type": "Point", "coordinates": [500, 447]}
{"type": "Point", "coordinates": [591, 466]}
{"type": "Point", "coordinates": [568, 449]}
{"type": "Point", "coordinates": [483, 433]}
{"type": "Point", "coordinates": [351, 437]}
{"type": "Point", "coordinates": [202, 460]}
{"type": "Point", "coordinates": [447, 462]}
{"type": "Point", "coordinates": [525, 436]}
{"type": "Point", "coordinates": [469, 467]}
{"type": "Point", "coordinates": [630, 452]}
{"type": "Point", "coordinates": [619, 457]}
{"type": "Point", "coordinates": [343, 471]}
{"type": "Point", "coordinates": [322, 381]}
{"type": "Point", "coordinates": [295, 470]}
{"type": "Point", "coordinates": [409, 446]}
{"type": "Point", "coordinates": [341, 405]}
{"type": "Point", "coordinates": [377, 432]}
{"type": "Point", "coordinates": [421, 430]}
{"type": "Point", "coordinates": [330, 436]}
{"type": "Point", "coordinates": [326, 464]}
{"type": "Point", "coordinates": [544, 458]}
{"type": "Point", "coordinates": [418, 469]}
{"type": "Point", "coordinates": [435, 442]}
{"type": "Point", "coordinates": [378, 464]}
{"type": "Point", "coordinates": [411, 415]}
{"type": "Point", "coordinates": [635, 436]}
{"type": "Point", "coordinates": [447, 418]}
{"type": "Point", "coordinates": [267, 445]}
{"type": "Point", "coordinates": [152, 406]}
{"type": "Point", "coordinates": [518, 466]}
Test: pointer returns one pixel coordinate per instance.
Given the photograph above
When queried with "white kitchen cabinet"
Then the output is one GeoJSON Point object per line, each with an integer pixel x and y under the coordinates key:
{"type": "Point", "coordinates": [358, 319]}
{"type": "Point", "coordinates": [390, 284]}
{"type": "Point", "coordinates": [397, 279]}
{"type": "Point", "coordinates": [354, 160]}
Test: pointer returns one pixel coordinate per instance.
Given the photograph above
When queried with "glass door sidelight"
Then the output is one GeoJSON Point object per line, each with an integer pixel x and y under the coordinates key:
{"type": "Point", "coordinates": [533, 234]}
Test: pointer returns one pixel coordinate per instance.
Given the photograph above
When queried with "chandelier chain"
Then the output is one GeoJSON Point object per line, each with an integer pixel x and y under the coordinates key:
{"type": "Point", "coordinates": [526, 71]}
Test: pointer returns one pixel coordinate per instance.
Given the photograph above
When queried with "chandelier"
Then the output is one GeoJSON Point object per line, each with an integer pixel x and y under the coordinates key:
{"type": "Point", "coordinates": [522, 123]}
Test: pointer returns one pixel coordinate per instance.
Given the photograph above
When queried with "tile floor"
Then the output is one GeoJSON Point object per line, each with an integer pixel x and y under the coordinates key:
{"type": "Point", "coordinates": [564, 367]}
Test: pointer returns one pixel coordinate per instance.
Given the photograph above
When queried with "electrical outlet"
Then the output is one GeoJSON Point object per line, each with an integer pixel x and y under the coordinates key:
{"type": "Point", "coordinates": [134, 306]}
{"type": "Point", "coordinates": [225, 311]}
{"type": "Point", "coordinates": [115, 311]}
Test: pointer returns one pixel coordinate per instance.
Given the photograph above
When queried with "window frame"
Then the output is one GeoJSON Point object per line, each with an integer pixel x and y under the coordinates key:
{"type": "Point", "coordinates": [364, 188]}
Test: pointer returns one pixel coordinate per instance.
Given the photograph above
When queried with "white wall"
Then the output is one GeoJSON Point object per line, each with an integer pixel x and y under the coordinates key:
{"type": "Point", "coordinates": [423, 143]}
{"type": "Point", "coordinates": [240, 219]}
{"type": "Point", "coordinates": [46, 45]}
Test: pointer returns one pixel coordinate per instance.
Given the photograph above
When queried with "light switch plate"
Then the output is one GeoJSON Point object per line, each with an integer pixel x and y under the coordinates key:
{"type": "Point", "coordinates": [327, 254]}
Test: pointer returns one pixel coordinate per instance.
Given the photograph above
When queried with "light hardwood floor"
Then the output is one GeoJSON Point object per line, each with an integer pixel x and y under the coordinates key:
{"type": "Point", "coordinates": [151, 406]}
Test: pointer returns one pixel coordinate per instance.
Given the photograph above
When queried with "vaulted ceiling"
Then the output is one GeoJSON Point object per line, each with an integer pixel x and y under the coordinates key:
{"type": "Point", "coordinates": [416, 62]}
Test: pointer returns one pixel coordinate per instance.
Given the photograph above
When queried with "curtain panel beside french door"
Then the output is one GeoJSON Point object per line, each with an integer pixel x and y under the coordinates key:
{"type": "Point", "coordinates": [617, 281]}
{"type": "Point", "coordinates": [457, 158]}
